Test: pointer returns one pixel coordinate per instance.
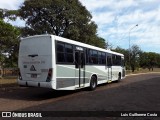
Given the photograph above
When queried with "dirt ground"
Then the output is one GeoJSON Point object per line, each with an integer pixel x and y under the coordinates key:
{"type": "Point", "coordinates": [134, 93]}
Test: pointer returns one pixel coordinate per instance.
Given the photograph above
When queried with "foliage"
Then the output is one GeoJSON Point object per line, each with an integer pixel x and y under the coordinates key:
{"type": "Point", "coordinates": [66, 18]}
{"type": "Point", "coordinates": [8, 14]}
{"type": "Point", "coordinates": [9, 44]}
{"type": "Point", "coordinates": [149, 60]}
{"type": "Point", "coordinates": [134, 57]}
{"type": "Point", "coordinates": [139, 58]}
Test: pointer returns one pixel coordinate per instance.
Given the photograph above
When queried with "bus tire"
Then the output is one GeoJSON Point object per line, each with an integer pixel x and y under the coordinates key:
{"type": "Point", "coordinates": [119, 77]}
{"type": "Point", "coordinates": [93, 83]}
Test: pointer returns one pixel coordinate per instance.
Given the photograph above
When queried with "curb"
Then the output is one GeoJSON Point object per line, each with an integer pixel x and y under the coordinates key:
{"type": "Point", "coordinates": [141, 73]}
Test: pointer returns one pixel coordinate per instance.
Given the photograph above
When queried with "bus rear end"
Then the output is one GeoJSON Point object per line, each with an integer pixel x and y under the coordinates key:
{"type": "Point", "coordinates": [35, 62]}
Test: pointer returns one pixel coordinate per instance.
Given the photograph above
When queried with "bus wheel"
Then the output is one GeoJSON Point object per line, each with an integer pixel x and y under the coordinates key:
{"type": "Point", "coordinates": [93, 83]}
{"type": "Point", "coordinates": [119, 77]}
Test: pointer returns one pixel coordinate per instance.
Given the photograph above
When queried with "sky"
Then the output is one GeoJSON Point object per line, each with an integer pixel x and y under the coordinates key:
{"type": "Point", "coordinates": [117, 20]}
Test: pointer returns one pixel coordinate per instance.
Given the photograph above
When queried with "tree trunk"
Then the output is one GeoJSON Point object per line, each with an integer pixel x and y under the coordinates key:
{"type": "Point", "coordinates": [1, 72]}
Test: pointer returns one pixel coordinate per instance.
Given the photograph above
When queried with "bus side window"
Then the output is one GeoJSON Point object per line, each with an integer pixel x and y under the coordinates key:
{"type": "Point", "coordinates": [116, 60]}
{"type": "Point", "coordinates": [76, 59]}
{"type": "Point", "coordinates": [109, 61]}
{"type": "Point", "coordinates": [69, 53]}
{"type": "Point", "coordinates": [99, 57]}
{"type": "Point", "coordinates": [122, 62]}
{"type": "Point", "coordinates": [90, 56]}
{"type": "Point", "coordinates": [103, 58]}
{"type": "Point", "coordinates": [119, 60]}
{"type": "Point", "coordinates": [87, 56]}
{"type": "Point", "coordinates": [95, 57]}
{"type": "Point", "coordinates": [60, 52]}
{"type": "Point", "coordinates": [82, 60]}
{"type": "Point", "coordinates": [64, 53]}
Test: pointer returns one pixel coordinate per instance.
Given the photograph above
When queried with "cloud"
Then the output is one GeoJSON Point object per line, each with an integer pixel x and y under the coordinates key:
{"type": "Point", "coordinates": [103, 18]}
{"type": "Point", "coordinates": [10, 4]}
{"type": "Point", "coordinates": [115, 18]}
{"type": "Point", "coordinates": [93, 5]}
{"type": "Point", "coordinates": [18, 22]}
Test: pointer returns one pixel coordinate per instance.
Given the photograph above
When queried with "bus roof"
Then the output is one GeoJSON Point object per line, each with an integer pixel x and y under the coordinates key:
{"type": "Point", "coordinates": [58, 38]}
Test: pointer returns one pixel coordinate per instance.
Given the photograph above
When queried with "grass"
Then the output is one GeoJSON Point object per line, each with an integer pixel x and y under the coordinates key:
{"type": "Point", "coordinates": [8, 84]}
{"type": "Point", "coordinates": [8, 80]}
{"type": "Point", "coordinates": [142, 71]}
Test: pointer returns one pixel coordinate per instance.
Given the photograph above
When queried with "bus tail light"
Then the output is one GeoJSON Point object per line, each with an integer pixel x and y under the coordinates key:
{"type": "Point", "coordinates": [19, 75]}
{"type": "Point", "coordinates": [49, 76]}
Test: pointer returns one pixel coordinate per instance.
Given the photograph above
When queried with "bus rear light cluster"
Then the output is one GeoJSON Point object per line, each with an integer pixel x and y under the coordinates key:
{"type": "Point", "coordinates": [49, 76]}
{"type": "Point", "coordinates": [19, 75]}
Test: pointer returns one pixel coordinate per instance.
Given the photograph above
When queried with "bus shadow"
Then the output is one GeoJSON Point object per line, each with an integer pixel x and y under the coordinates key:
{"type": "Point", "coordinates": [50, 94]}
{"type": "Point", "coordinates": [38, 94]}
{"type": "Point", "coordinates": [33, 93]}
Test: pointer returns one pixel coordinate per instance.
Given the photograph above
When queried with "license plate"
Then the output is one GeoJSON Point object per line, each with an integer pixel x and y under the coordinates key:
{"type": "Point", "coordinates": [33, 75]}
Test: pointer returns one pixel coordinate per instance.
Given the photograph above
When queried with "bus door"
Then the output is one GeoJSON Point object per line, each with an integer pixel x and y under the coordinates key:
{"type": "Point", "coordinates": [79, 67]}
{"type": "Point", "coordinates": [123, 67]}
{"type": "Point", "coordinates": [109, 67]}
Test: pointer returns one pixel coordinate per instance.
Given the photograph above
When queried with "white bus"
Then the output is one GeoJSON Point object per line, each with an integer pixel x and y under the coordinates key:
{"type": "Point", "coordinates": [62, 64]}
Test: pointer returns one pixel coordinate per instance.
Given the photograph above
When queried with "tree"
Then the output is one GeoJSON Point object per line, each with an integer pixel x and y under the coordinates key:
{"type": "Point", "coordinates": [134, 56]}
{"type": "Point", "coordinates": [134, 61]}
{"type": "Point", "coordinates": [66, 18]}
{"type": "Point", "coordinates": [8, 43]}
{"type": "Point", "coordinates": [149, 60]}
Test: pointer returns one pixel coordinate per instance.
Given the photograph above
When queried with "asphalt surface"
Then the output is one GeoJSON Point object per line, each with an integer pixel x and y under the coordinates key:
{"type": "Point", "coordinates": [134, 93]}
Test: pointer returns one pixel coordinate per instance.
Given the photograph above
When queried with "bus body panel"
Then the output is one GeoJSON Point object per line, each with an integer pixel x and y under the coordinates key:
{"type": "Point", "coordinates": [115, 72]}
{"type": "Point", "coordinates": [35, 61]}
{"type": "Point", "coordinates": [38, 55]}
{"type": "Point", "coordinates": [68, 80]}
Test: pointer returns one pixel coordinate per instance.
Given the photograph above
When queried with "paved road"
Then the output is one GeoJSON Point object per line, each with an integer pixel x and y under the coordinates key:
{"type": "Point", "coordinates": [134, 93]}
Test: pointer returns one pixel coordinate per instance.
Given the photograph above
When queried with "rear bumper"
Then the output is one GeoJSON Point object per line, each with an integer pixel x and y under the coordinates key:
{"type": "Point", "coordinates": [35, 84]}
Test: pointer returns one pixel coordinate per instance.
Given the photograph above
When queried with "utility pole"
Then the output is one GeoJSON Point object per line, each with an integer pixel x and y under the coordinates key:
{"type": "Point", "coordinates": [130, 46]}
